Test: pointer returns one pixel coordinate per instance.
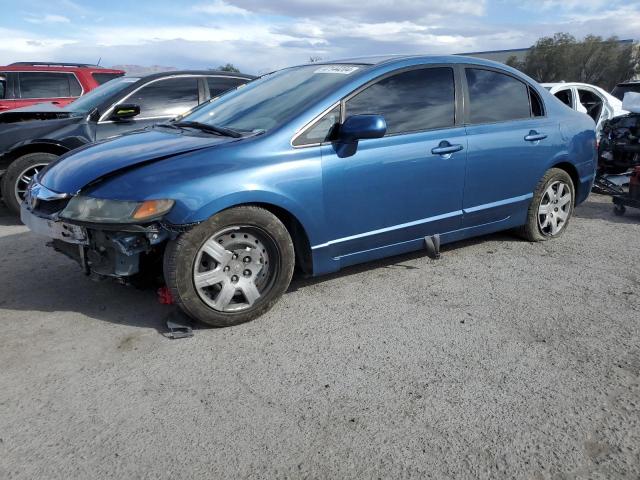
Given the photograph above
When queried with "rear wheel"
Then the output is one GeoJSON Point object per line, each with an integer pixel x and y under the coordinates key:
{"type": "Point", "coordinates": [232, 268]}
{"type": "Point", "coordinates": [551, 207]}
{"type": "Point", "coordinates": [17, 177]}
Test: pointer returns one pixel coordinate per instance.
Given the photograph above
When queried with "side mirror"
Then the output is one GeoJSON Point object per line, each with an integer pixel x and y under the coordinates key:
{"type": "Point", "coordinates": [125, 111]}
{"type": "Point", "coordinates": [361, 127]}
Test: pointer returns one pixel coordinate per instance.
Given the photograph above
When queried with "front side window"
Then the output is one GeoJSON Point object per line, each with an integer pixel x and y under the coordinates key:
{"type": "Point", "coordinates": [496, 97]}
{"type": "Point", "coordinates": [565, 96]}
{"type": "Point", "coordinates": [321, 130]}
{"type": "Point", "coordinates": [48, 85]}
{"type": "Point", "coordinates": [3, 87]}
{"type": "Point", "coordinates": [167, 97]}
{"type": "Point", "coordinates": [410, 101]}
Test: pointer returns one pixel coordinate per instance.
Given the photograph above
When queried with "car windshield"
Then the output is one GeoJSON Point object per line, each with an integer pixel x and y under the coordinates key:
{"type": "Point", "coordinates": [270, 101]}
{"type": "Point", "coordinates": [95, 97]}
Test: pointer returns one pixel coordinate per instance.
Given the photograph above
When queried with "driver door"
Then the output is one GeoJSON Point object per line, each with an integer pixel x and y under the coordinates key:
{"type": "Point", "coordinates": [384, 198]}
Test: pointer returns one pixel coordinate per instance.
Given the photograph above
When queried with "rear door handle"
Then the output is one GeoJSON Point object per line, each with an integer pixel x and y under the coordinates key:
{"type": "Point", "coordinates": [445, 148]}
{"type": "Point", "coordinates": [534, 136]}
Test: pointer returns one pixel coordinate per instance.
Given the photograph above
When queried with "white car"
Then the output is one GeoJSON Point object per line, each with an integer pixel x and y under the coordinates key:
{"type": "Point", "coordinates": [589, 99]}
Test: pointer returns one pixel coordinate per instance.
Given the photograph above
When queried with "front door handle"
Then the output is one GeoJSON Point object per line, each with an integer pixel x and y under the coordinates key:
{"type": "Point", "coordinates": [534, 136]}
{"type": "Point", "coordinates": [445, 148]}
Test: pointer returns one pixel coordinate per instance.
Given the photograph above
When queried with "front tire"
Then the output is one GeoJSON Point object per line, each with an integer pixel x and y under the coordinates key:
{"type": "Point", "coordinates": [19, 174]}
{"type": "Point", "coordinates": [551, 207]}
{"type": "Point", "coordinates": [232, 268]}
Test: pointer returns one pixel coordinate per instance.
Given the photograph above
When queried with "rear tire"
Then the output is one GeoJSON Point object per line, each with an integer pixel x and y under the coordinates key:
{"type": "Point", "coordinates": [551, 207]}
{"type": "Point", "coordinates": [231, 268]}
{"type": "Point", "coordinates": [18, 175]}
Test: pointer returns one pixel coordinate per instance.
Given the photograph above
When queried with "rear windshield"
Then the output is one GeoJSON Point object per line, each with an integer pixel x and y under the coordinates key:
{"type": "Point", "coordinates": [105, 77]}
{"type": "Point", "coordinates": [95, 97]}
{"type": "Point", "coordinates": [621, 89]}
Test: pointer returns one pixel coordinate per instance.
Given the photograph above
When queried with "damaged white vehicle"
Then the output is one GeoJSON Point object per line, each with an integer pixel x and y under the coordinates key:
{"type": "Point", "coordinates": [589, 99]}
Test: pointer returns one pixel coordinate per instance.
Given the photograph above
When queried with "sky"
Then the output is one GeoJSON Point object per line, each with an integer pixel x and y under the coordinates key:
{"type": "Point", "coordinates": [262, 35]}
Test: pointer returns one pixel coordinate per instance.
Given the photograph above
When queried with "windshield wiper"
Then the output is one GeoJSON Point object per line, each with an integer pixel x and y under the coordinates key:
{"type": "Point", "coordinates": [205, 127]}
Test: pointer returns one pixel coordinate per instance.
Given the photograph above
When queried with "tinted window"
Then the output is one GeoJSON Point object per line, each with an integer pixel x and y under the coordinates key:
{"type": "Point", "coordinates": [495, 97]}
{"type": "Point", "coordinates": [565, 97]}
{"type": "Point", "coordinates": [218, 85]}
{"type": "Point", "coordinates": [166, 98]}
{"type": "Point", "coordinates": [48, 85]}
{"type": "Point", "coordinates": [410, 101]}
{"type": "Point", "coordinates": [105, 77]}
{"type": "Point", "coordinates": [537, 109]}
{"type": "Point", "coordinates": [3, 87]}
{"type": "Point", "coordinates": [321, 130]}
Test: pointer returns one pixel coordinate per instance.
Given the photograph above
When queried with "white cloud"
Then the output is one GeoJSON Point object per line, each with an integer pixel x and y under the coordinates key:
{"type": "Point", "coordinates": [219, 7]}
{"type": "Point", "coordinates": [49, 18]}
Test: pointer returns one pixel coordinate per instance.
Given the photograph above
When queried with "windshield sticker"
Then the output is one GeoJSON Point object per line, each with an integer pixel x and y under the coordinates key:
{"type": "Point", "coordinates": [341, 69]}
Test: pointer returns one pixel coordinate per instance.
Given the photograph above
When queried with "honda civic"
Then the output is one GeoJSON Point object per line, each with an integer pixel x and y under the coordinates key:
{"type": "Point", "coordinates": [318, 167]}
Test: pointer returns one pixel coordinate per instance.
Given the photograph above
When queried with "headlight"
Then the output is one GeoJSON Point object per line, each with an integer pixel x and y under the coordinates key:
{"type": "Point", "coordinates": [98, 210]}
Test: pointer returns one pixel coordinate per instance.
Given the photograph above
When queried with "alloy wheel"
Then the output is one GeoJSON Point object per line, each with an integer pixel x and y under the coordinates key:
{"type": "Point", "coordinates": [232, 269]}
{"type": "Point", "coordinates": [23, 180]}
{"type": "Point", "coordinates": [555, 208]}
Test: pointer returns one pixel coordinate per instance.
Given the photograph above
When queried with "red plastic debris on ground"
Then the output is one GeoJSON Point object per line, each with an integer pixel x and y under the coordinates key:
{"type": "Point", "coordinates": [164, 296]}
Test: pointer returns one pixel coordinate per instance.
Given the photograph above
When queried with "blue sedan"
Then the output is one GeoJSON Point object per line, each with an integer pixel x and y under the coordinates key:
{"type": "Point", "coordinates": [318, 167]}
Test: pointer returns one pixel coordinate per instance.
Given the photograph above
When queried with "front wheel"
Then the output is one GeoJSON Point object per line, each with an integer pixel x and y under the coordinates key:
{"type": "Point", "coordinates": [17, 177]}
{"type": "Point", "coordinates": [551, 207]}
{"type": "Point", "coordinates": [232, 268]}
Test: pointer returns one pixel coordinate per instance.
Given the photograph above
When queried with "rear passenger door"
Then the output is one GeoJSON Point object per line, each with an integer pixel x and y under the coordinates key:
{"type": "Point", "coordinates": [159, 101]}
{"type": "Point", "coordinates": [511, 141]}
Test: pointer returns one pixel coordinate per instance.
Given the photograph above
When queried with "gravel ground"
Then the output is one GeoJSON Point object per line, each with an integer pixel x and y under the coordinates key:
{"type": "Point", "coordinates": [503, 359]}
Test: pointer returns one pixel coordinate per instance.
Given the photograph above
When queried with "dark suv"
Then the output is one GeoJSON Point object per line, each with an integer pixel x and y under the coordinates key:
{"type": "Point", "coordinates": [32, 137]}
{"type": "Point", "coordinates": [622, 88]}
{"type": "Point", "coordinates": [27, 83]}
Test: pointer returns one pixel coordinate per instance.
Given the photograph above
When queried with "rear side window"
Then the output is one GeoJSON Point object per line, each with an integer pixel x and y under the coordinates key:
{"type": "Point", "coordinates": [3, 87]}
{"type": "Point", "coordinates": [565, 96]}
{"type": "Point", "coordinates": [167, 98]}
{"type": "Point", "coordinates": [218, 85]}
{"type": "Point", "coordinates": [410, 101]}
{"type": "Point", "coordinates": [101, 78]}
{"type": "Point", "coordinates": [48, 85]}
{"type": "Point", "coordinates": [496, 97]}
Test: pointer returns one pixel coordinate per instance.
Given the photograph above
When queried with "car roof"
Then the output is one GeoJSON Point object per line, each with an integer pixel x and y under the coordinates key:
{"type": "Point", "coordinates": [171, 73]}
{"type": "Point", "coordinates": [44, 67]}
{"type": "Point", "coordinates": [377, 60]}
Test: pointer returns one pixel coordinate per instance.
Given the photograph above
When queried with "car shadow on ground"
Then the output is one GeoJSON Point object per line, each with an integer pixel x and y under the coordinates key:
{"type": "Point", "coordinates": [37, 279]}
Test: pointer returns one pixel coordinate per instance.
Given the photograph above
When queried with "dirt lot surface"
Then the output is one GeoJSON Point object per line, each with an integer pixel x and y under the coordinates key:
{"type": "Point", "coordinates": [503, 359]}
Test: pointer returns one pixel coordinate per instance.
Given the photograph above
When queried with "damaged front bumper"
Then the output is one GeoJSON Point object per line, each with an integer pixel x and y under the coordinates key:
{"type": "Point", "coordinates": [106, 250]}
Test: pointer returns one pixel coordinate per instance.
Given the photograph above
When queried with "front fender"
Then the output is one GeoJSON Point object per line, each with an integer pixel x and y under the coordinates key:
{"type": "Point", "coordinates": [277, 199]}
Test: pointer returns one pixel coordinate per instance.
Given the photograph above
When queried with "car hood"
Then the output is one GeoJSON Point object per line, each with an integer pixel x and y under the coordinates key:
{"type": "Point", "coordinates": [41, 111]}
{"type": "Point", "coordinates": [84, 166]}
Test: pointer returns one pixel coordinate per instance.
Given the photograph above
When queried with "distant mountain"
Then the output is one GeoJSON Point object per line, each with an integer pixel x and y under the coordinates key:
{"type": "Point", "coordinates": [142, 70]}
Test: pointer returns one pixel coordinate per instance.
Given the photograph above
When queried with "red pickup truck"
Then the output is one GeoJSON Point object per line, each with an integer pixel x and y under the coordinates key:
{"type": "Point", "coordinates": [27, 83]}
